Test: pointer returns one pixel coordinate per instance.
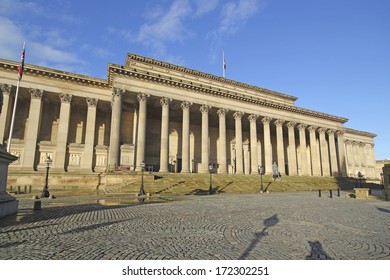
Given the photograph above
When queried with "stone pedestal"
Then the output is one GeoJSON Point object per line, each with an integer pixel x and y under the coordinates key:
{"type": "Point", "coordinates": [362, 193]}
{"type": "Point", "coordinates": [8, 204]}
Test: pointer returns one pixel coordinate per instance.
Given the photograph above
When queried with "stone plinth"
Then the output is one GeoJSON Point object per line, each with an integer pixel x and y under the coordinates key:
{"type": "Point", "coordinates": [362, 193]}
{"type": "Point", "coordinates": [8, 204]}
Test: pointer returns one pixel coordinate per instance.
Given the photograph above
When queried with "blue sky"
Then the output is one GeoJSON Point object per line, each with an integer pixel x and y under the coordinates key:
{"type": "Point", "coordinates": [334, 55]}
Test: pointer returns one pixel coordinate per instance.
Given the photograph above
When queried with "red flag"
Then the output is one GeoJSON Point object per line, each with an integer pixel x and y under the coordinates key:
{"type": "Point", "coordinates": [21, 66]}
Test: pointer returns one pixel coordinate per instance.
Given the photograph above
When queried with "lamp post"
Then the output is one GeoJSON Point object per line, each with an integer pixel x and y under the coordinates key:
{"type": "Point", "coordinates": [45, 191]}
{"type": "Point", "coordinates": [211, 181]}
{"type": "Point", "coordinates": [141, 190]}
{"type": "Point", "coordinates": [261, 170]}
{"type": "Point", "coordinates": [360, 176]}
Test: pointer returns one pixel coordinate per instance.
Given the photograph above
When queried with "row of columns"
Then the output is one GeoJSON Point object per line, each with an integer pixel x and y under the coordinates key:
{"type": "Point", "coordinates": [321, 161]}
{"type": "Point", "coordinates": [33, 128]}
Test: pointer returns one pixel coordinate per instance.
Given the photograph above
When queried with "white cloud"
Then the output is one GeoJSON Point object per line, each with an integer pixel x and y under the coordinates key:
{"type": "Point", "coordinates": [205, 6]}
{"type": "Point", "coordinates": [11, 39]}
{"type": "Point", "coordinates": [236, 13]}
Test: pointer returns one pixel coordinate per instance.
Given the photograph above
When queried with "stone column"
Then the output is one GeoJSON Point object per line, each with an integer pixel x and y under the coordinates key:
{"type": "Point", "coordinates": [164, 150]}
{"type": "Point", "coordinates": [141, 139]}
{"type": "Point", "coordinates": [363, 158]}
{"type": "Point", "coordinates": [349, 159]}
{"type": "Point", "coordinates": [267, 145]}
{"type": "Point", "coordinates": [222, 158]}
{"type": "Point", "coordinates": [302, 148]}
{"type": "Point", "coordinates": [280, 146]}
{"type": "Point", "coordinates": [185, 157]}
{"type": "Point", "coordinates": [5, 116]}
{"type": "Point", "coordinates": [333, 153]}
{"type": "Point", "coordinates": [115, 134]}
{"type": "Point", "coordinates": [32, 130]}
{"type": "Point", "coordinates": [341, 153]}
{"type": "Point", "coordinates": [292, 150]}
{"type": "Point", "coordinates": [253, 144]}
{"type": "Point", "coordinates": [205, 109]}
{"type": "Point", "coordinates": [62, 134]}
{"type": "Point", "coordinates": [315, 157]}
{"type": "Point", "coordinates": [87, 163]}
{"type": "Point", "coordinates": [239, 149]}
{"type": "Point", "coordinates": [324, 152]}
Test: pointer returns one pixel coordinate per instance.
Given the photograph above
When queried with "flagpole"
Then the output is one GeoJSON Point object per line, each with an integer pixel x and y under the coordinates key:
{"type": "Point", "coordinates": [20, 74]}
{"type": "Point", "coordinates": [13, 118]}
{"type": "Point", "coordinates": [223, 64]}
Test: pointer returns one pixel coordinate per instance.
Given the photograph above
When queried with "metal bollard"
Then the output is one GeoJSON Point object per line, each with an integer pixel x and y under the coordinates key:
{"type": "Point", "coordinates": [37, 205]}
{"type": "Point", "coordinates": [338, 192]}
{"type": "Point", "coordinates": [25, 189]}
{"type": "Point", "coordinates": [18, 191]}
{"type": "Point", "coordinates": [319, 193]}
{"type": "Point", "coordinates": [30, 188]}
{"type": "Point", "coordinates": [330, 194]}
{"type": "Point", "coordinates": [10, 188]}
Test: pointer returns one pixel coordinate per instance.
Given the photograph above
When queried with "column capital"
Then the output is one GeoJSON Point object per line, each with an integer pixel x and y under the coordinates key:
{"type": "Point", "coordinates": [361, 144]}
{"type": "Point", "coordinates": [142, 97]}
{"type": "Point", "coordinates": [279, 122]}
{"type": "Point", "coordinates": [238, 115]}
{"type": "Point", "coordinates": [266, 120]}
{"type": "Point", "coordinates": [65, 98]}
{"type": "Point", "coordinates": [322, 130]}
{"type": "Point", "coordinates": [91, 102]}
{"type": "Point", "coordinates": [291, 124]}
{"type": "Point", "coordinates": [205, 109]}
{"type": "Point", "coordinates": [117, 92]}
{"type": "Point", "coordinates": [302, 126]}
{"type": "Point", "coordinates": [36, 93]}
{"type": "Point", "coordinates": [312, 128]}
{"type": "Point", "coordinates": [222, 112]}
{"type": "Point", "coordinates": [330, 132]}
{"type": "Point", "coordinates": [164, 101]}
{"type": "Point", "coordinates": [347, 142]}
{"type": "Point", "coordinates": [253, 117]}
{"type": "Point", "coordinates": [186, 105]}
{"type": "Point", "coordinates": [339, 133]}
{"type": "Point", "coordinates": [6, 89]}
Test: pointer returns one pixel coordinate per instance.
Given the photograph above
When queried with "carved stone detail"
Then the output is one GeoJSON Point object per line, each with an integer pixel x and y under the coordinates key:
{"type": "Point", "coordinates": [312, 128]}
{"type": "Point", "coordinates": [186, 105]}
{"type": "Point", "coordinates": [302, 126]}
{"type": "Point", "coordinates": [266, 120]}
{"type": "Point", "coordinates": [279, 123]}
{"type": "Point", "coordinates": [91, 101]}
{"type": "Point", "coordinates": [291, 124]}
{"type": "Point", "coordinates": [238, 115]}
{"type": "Point", "coordinates": [142, 97]}
{"type": "Point", "coordinates": [6, 89]}
{"type": "Point", "coordinates": [65, 98]}
{"type": "Point", "coordinates": [253, 117]}
{"type": "Point", "coordinates": [222, 112]}
{"type": "Point", "coordinates": [36, 93]}
{"type": "Point", "coordinates": [164, 101]}
{"type": "Point", "coordinates": [205, 109]}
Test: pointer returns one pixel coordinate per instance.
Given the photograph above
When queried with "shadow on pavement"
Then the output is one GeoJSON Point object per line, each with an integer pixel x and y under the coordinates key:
{"type": "Point", "coordinates": [271, 221]}
{"type": "Point", "coordinates": [317, 252]}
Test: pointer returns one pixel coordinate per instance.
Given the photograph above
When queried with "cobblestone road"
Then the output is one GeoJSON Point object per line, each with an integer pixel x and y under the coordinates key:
{"type": "Point", "coordinates": [289, 226]}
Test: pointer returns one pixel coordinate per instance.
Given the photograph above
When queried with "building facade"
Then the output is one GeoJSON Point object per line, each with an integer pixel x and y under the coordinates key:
{"type": "Point", "coordinates": [175, 120]}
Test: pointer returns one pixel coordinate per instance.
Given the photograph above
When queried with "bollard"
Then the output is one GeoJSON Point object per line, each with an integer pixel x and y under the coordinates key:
{"type": "Point", "coordinates": [25, 189]}
{"type": "Point", "coordinates": [37, 205]}
{"type": "Point", "coordinates": [10, 188]}
{"type": "Point", "coordinates": [319, 193]}
{"type": "Point", "coordinates": [338, 192]}
{"type": "Point", "coordinates": [30, 188]}
{"type": "Point", "coordinates": [330, 194]}
{"type": "Point", "coordinates": [18, 191]}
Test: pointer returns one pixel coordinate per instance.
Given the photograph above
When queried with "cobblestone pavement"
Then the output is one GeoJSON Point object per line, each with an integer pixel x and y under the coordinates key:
{"type": "Point", "coordinates": [267, 226]}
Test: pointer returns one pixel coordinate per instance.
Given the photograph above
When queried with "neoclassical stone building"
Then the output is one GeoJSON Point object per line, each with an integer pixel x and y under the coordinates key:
{"type": "Point", "coordinates": [173, 118]}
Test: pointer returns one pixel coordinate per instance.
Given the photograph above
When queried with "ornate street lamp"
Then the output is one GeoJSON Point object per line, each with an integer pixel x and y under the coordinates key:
{"type": "Point", "coordinates": [261, 171]}
{"type": "Point", "coordinates": [141, 190]}
{"type": "Point", "coordinates": [45, 192]}
{"type": "Point", "coordinates": [360, 176]}
{"type": "Point", "coordinates": [211, 181]}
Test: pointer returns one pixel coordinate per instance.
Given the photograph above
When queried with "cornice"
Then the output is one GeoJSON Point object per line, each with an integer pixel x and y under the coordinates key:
{"type": "Point", "coordinates": [143, 75]}
{"type": "Point", "coordinates": [33, 70]}
{"type": "Point", "coordinates": [134, 57]}
{"type": "Point", "coordinates": [361, 133]}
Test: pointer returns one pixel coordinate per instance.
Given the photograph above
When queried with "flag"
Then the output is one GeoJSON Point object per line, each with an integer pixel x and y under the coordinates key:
{"type": "Point", "coordinates": [21, 66]}
{"type": "Point", "coordinates": [223, 64]}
